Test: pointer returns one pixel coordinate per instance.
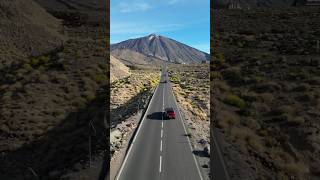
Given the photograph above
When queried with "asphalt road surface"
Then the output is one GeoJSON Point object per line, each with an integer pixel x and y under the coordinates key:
{"type": "Point", "coordinates": [160, 150]}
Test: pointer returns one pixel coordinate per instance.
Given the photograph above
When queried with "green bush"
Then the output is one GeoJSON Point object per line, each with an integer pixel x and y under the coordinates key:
{"type": "Point", "coordinates": [218, 58]}
{"type": "Point", "coordinates": [44, 59]}
{"type": "Point", "coordinates": [101, 78]}
{"type": "Point", "coordinates": [27, 67]}
{"type": "Point", "coordinates": [89, 95]}
{"type": "Point", "coordinates": [236, 101]}
{"type": "Point", "coordinates": [7, 96]}
{"type": "Point", "coordinates": [60, 78]}
{"type": "Point", "coordinates": [88, 84]}
{"type": "Point", "coordinates": [79, 102]}
{"type": "Point", "coordinates": [175, 79]}
{"type": "Point", "coordinates": [215, 75]}
{"type": "Point", "coordinates": [35, 61]}
{"type": "Point", "coordinates": [78, 54]}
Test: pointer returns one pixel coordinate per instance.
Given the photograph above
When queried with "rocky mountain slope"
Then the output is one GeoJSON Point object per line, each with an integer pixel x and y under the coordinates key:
{"type": "Point", "coordinates": [26, 30]}
{"type": "Point", "coordinates": [51, 84]}
{"type": "Point", "coordinates": [117, 69]}
{"type": "Point", "coordinates": [159, 47]}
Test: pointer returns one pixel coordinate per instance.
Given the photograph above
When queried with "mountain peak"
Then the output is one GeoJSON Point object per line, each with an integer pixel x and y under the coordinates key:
{"type": "Point", "coordinates": [162, 48]}
{"type": "Point", "coordinates": [151, 36]}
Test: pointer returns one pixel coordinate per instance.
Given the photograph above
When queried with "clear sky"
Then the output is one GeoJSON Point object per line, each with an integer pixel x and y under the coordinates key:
{"type": "Point", "coordinates": [187, 21]}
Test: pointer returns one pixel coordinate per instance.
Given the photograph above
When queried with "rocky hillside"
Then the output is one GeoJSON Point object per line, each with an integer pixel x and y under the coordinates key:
{"type": "Point", "coordinates": [26, 30]}
{"type": "Point", "coordinates": [117, 69]}
{"type": "Point", "coordinates": [266, 84]}
{"type": "Point", "coordinates": [76, 12]}
{"type": "Point", "coordinates": [50, 89]}
{"type": "Point", "coordinates": [162, 48]}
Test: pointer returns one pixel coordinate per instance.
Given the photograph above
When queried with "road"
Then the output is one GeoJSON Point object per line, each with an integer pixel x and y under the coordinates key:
{"type": "Point", "coordinates": [160, 149]}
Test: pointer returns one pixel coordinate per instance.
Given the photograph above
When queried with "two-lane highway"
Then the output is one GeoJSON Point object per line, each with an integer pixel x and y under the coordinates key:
{"type": "Point", "coordinates": [160, 149]}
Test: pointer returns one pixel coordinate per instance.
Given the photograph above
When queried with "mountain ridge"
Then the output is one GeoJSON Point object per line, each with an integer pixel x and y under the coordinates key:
{"type": "Point", "coordinates": [163, 48]}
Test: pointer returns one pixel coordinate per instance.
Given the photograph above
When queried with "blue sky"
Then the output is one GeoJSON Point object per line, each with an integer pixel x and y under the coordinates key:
{"type": "Point", "coordinates": [187, 21]}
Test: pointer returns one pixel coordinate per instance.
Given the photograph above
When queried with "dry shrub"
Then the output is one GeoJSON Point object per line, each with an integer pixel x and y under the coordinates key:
{"type": "Point", "coordinates": [255, 142]}
{"type": "Point", "coordinates": [252, 123]}
{"type": "Point", "coordinates": [288, 164]}
{"type": "Point", "coordinates": [300, 169]}
{"type": "Point", "coordinates": [221, 85]}
{"type": "Point", "coordinates": [297, 120]}
{"type": "Point", "coordinates": [227, 120]}
{"type": "Point", "coordinates": [266, 97]}
{"type": "Point", "coordinates": [243, 135]}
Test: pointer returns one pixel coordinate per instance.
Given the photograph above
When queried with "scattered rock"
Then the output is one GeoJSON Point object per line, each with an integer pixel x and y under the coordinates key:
{"type": "Point", "coordinates": [205, 166]}
{"type": "Point", "coordinates": [202, 141]}
{"type": "Point", "coordinates": [207, 150]}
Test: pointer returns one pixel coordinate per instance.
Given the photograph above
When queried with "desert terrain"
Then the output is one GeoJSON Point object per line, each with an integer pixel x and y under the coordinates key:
{"type": "Point", "coordinates": [265, 91]}
{"type": "Point", "coordinates": [52, 86]}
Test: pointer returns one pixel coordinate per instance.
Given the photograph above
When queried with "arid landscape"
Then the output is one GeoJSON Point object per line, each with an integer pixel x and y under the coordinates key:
{"type": "Point", "coordinates": [191, 88]}
{"type": "Point", "coordinates": [132, 92]}
{"type": "Point", "coordinates": [265, 91]}
{"type": "Point", "coordinates": [53, 83]}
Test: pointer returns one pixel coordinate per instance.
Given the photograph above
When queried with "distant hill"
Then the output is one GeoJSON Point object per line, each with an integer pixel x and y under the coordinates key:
{"type": "Point", "coordinates": [257, 3]}
{"type": "Point", "coordinates": [160, 48]}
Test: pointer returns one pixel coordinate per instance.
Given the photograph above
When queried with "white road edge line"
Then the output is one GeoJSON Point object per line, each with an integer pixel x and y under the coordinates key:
{"type": "Point", "coordinates": [160, 164]}
{"type": "Point", "coordinates": [161, 145]}
{"type": "Point", "coordinates": [134, 138]}
{"type": "Point", "coordinates": [194, 158]}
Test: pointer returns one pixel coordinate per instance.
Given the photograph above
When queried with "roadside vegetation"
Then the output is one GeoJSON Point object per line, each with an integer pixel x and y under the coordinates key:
{"type": "Point", "coordinates": [191, 88]}
{"type": "Point", "coordinates": [266, 86]}
{"type": "Point", "coordinates": [131, 92]}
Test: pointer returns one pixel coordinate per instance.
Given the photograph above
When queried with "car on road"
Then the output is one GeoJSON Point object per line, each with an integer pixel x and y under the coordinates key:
{"type": "Point", "coordinates": [169, 113]}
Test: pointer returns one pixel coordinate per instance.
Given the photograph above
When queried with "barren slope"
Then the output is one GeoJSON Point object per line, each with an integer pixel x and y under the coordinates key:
{"type": "Point", "coordinates": [49, 97]}
{"type": "Point", "coordinates": [26, 30]}
{"type": "Point", "coordinates": [266, 84]}
{"type": "Point", "coordinates": [117, 69]}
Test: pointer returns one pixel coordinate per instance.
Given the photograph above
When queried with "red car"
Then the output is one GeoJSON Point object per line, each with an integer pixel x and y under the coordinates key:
{"type": "Point", "coordinates": [169, 113]}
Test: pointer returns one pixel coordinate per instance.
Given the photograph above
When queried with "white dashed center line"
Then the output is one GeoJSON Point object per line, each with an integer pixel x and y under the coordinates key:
{"type": "Point", "coordinates": [160, 164]}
